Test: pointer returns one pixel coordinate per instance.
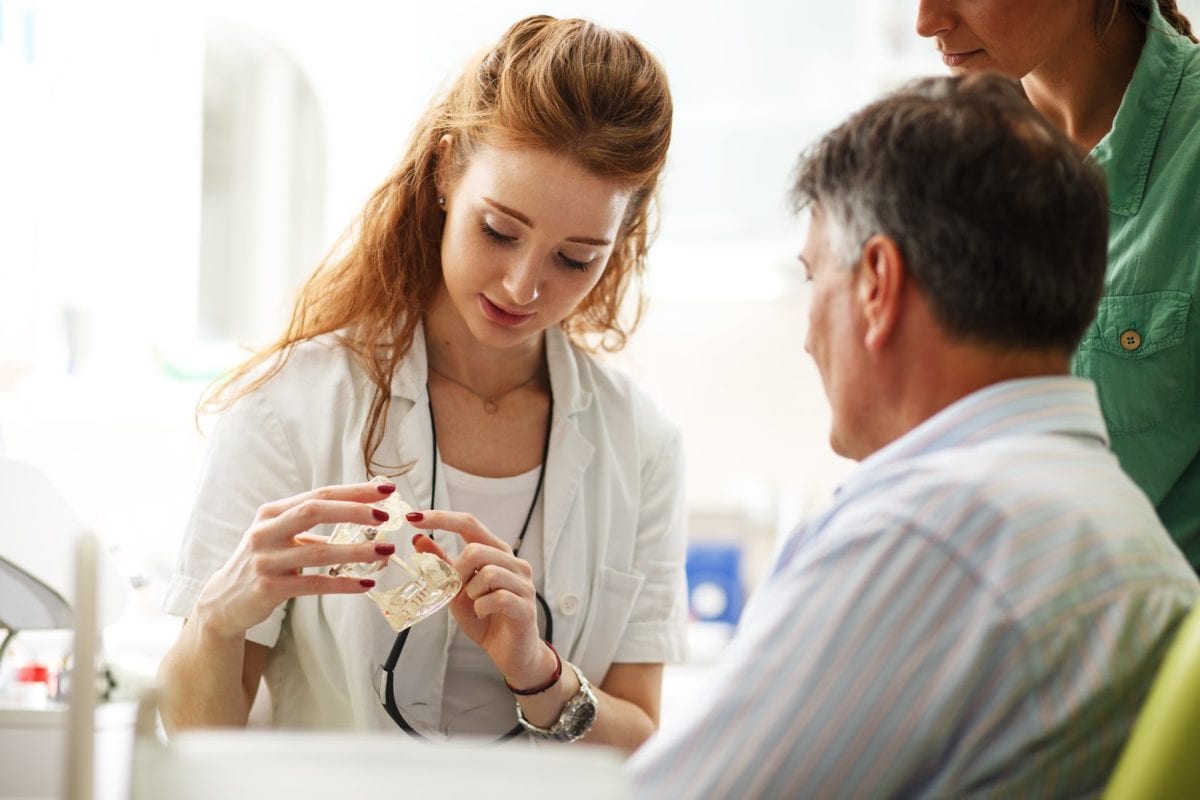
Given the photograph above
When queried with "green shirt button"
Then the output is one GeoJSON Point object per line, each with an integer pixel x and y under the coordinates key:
{"type": "Point", "coordinates": [1131, 340]}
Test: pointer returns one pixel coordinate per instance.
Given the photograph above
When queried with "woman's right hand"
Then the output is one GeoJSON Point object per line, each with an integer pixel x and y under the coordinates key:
{"type": "Point", "coordinates": [266, 569]}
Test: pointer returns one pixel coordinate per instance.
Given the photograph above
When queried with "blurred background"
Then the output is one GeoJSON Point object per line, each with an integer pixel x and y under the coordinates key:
{"type": "Point", "coordinates": [170, 172]}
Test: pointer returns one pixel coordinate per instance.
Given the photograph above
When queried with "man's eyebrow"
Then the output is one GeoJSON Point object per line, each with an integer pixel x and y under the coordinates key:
{"type": "Point", "coordinates": [524, 220]}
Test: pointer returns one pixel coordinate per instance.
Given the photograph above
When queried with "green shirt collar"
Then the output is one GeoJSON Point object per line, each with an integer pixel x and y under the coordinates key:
{"type": "Point", "coordinates": [1125, 151]}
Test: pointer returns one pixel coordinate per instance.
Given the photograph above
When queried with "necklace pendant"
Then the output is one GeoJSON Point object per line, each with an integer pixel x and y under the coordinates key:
{"type": "Point", "coordinates": [489, 405]}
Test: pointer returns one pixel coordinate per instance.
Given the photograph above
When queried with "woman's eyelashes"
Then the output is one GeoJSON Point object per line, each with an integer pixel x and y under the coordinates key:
{"type": "Point", "coordinates": [495, 235]}
{"type": "Point", "coordinates": [504, 240]}
{"type": "Point", "coordinates": [571, 263]}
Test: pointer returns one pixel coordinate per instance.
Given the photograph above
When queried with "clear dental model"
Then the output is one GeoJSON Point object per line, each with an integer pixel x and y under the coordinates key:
{"type": "Point", "coordinates": [406, 590]}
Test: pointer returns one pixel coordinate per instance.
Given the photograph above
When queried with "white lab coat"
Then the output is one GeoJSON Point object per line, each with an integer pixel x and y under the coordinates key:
{"type": "Point", "coordinates": [614, 528]}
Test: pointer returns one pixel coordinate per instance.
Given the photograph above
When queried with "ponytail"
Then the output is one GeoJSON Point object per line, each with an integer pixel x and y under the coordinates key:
{"type": "Point", "coordinates": [1170, 12]}
{"type": "Point", "coordinates": [1107, 12]}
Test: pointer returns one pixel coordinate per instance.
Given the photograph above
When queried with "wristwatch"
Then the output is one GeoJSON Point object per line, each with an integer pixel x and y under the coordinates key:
{"type": "Point", "coordinates": [576, 718]}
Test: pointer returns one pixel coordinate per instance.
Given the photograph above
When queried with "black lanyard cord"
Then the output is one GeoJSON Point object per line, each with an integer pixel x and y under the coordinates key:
{"type": "Point", "coordinates": [537, 492]}
{"type": "Point", "coordinates": [389, 666]}
{"type": "Point", "coordinates": [389, 695]}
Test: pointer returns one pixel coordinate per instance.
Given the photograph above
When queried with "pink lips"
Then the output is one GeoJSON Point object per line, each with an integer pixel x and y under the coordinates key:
{"type": "Point", "coordinates": [959, 59]}
{"type": "Point", "coordinates": [499, 315]}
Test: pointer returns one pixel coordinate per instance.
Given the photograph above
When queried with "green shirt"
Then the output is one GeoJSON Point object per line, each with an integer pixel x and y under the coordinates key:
{"type": "Point", "coordinates": [1143, 351]}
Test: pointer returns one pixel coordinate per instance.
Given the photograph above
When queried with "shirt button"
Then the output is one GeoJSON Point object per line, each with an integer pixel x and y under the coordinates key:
{"type": "Point", "coordinates": [1131, 340]}
{"type": "Point", "coordinates": [568, 604]}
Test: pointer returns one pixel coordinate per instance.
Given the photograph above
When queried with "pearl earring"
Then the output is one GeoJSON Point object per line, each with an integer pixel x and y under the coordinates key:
{"type": "Point", "coordinates": [442, 201]}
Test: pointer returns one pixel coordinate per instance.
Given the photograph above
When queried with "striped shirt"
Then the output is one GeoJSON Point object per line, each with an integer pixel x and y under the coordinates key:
{"type": "Point", "coordinates": [979, 612]}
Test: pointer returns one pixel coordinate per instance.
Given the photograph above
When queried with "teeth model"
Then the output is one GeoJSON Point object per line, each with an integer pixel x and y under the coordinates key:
{"type": "Point", "coordinates": [406, 591]}
{"type": "Point", "coordinates": [432, 584]}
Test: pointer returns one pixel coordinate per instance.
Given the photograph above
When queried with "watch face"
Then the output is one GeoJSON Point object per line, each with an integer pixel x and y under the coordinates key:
{"type": "Point", "coordinates": [583, 714]}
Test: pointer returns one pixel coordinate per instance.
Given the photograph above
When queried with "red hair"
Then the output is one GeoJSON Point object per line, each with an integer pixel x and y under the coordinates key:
{"type": "Point", "coordinates": [565, 85]}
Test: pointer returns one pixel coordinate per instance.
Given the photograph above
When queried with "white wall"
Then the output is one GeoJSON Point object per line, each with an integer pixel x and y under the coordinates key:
{"type": "Point", "coordinates": [100, 267]}
{"type": "Point", "coordinates": [101, 119]}
{"type": "Point", "coordinates": [100, 174]}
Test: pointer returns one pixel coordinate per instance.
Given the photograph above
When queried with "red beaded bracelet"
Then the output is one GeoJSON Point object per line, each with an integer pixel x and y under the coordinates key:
{"type": "Point", "coordinates": [553, 678]}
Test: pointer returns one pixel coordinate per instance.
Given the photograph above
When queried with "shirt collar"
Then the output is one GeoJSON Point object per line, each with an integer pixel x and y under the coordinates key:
{"type": "Point", "coordinates": [1126, 150]}
{"type": "Point", "coordinates": [1062, 405]}
{"type": "Point", "coordinates": [1047, 405]}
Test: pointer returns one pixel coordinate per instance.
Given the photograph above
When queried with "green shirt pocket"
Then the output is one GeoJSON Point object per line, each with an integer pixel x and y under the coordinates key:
{"type": "Point", "coordinates": [1136, 352]}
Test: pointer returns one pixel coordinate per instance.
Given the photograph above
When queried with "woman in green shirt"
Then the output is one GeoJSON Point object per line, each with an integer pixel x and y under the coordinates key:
{"type": "Point", "coordinates": [1122, 79]}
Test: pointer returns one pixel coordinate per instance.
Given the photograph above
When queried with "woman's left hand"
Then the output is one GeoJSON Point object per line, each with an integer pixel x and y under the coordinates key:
{"type": "Point", "coordinates": [497, 605]}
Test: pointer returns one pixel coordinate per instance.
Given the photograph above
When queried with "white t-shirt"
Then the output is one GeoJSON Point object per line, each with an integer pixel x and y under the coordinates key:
{"type": "Point", "coordinates": [475, 700]}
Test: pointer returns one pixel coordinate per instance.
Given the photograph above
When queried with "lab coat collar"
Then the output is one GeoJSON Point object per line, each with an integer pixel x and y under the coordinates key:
{"type": "Point", "coordinates": [570, 451]}
{"type": "Point", "coordinates": [565, 380]}
{"type": "Point", "coordinates": [413, 371]}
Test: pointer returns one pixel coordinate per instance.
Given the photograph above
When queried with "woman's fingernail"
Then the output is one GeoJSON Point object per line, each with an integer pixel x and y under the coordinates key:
{"type": "Point", "coordinates": [382, 516]}
{"type": "Point", "coordinates": [416, 537]}
{"type": "Point", "coordinates": [414, 516]}
{"type": "Point", "coordinates": [366, 583]}
{"type": "Point", "coordinates": [385, 548]}
{"type": "Point", "coordinates": [386, 488]}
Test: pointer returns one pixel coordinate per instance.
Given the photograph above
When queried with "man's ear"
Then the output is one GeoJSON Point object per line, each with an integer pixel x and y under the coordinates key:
{"type": "Point", "coordinates": [880, 290]}
{"type": "Point", "coordinates": [441, 175]}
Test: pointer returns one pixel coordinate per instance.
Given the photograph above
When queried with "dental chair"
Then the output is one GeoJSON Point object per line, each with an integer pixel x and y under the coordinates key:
{"type": "Point", "coordinates": [1161, 760]}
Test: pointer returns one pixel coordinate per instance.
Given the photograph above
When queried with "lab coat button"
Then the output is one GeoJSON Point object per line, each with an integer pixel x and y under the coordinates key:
{"type": "Point", "coordinates": [569, 604]}
{"type": "Point", "coordinates": [1131, 340]}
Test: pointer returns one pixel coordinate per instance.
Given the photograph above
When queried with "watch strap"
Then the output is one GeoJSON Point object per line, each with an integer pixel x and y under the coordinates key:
{"type": "Point", "coordinates": [576, 718]}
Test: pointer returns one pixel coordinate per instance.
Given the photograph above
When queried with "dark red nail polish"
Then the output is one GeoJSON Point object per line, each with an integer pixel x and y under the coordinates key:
{"type": "Point", "coordinates": [386, 488]}
{"type": "Point", "coordinates": [385, 548]}
{"type": "Point", "coordinates": [416, 537]}
{"type": "Point", "coordinates": [382, 516]}
{"type": "Point", "coordinates": [366, 583]}
{"type": "Point", "coordinates": [414, 516]}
